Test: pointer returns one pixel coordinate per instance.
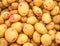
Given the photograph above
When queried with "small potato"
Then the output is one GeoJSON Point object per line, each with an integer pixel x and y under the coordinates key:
{"type": "Point", "coordinates": [28, 29]}
{"type": "Point", "coordinates": [37, 11]}
{"type": "Point", "coordinates": [55, 11]}
{"type": "Point", "coordinates": [5, 3]}
{"type": "Point", "coordinates": [3, 28]}
{"type": "Point", "coordinates": [59, 4]}
{"type": "Point", "coordinates": [1, 20]}
{"type": "Point", "coordinates": [40, 28]}
{"type": "Point", "coordinates": [8, 23]}
{"type": "Point", "coordinates": [56, 19]}
{"type": "Point", "coordinates": [23, 8]}
{"type": "Point", "coordinates": [38, 2]}
{"type": "Point", "coordinates": [23, 38]}
{"type": "Point", "coordinates": [24, 19]}
{"type": "Point", "coordinates": [28, 0]}
{"type": "Point", "coordinates": [36, 37]}
{"type": "Point", "coordinates": [52, 34]}
{"type": "Point", "coordinates": [3, 42]}
{"type": "Point", "coordinates": [53, 44]}
{"type": "Point", "coordinates": [11, 35]}
{"type": "Point", "coordinates": [57, 38]}
{"type": "Point", "coordinates": [28, 44]}
{"type": "Point", "coordinates": [15, 18]}
{"type": "Point", "coordinates": [14, 5]}
{"type": "Point", "coordinates": [50, 26]}
{"type": "Point", "coordinates": [57, 26]}
{"type": "Point", "coordinates": [46, 39]}
{"type": "Point", "coordinates": [11, 1]}
{"type": "Point", "coordinates": [18, 26]}
{"type": "Point", "coordinates": [5, 15]}
{"type": "Point", "coordinates": [46, 18]}
{"type": "Point", "coordinates": [32, 20]}
{"type": "Point", "coordinates": [1, 4]}
{"type": "Point", "coordinates": [15, 44]}
{"type": "Point", "coordinates": [49, 5]}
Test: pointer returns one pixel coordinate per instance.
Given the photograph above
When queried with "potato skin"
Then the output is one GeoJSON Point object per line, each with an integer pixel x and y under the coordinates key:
{"type": "Point", "coordinates": [14, 44]}
{"type": "Point", "coordinates": [11, 35]}
{"type": "Point", "coordinates": [23, 38]}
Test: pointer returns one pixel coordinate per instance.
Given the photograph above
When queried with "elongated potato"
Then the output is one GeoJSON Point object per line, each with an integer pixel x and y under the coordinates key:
{"type": "Point", "coordinates": [11, 35]}
{"type": "Point", "coordinates": [37, 11]}
{"type": "Point", "coordinates": [3, 42]}
{"type": "Point", "coordinates": [40, 28]}
{"type": "Point", "coordinates": [28, 29]}
{"type": "Point", "coordinates": [17, 26]}
{"type": "Point", "coordinates": [23, 38]}
{"type": "Point", "coordinates": [46, 39]}
{"type": "Point", "coordinates": [46, 18]}
{"type": "Point", "coordinates": [36, 37]}
{"type": "Point", "coordinates": [15, 18]}
{"type": "Point", "coordinates": [3, 28]}
{"type": "Point", "coordinates": [38, 2]}
{"type": "Point", "coordinates": [49, 5]}
{"type": "Point", "coordinates": [23, 8]}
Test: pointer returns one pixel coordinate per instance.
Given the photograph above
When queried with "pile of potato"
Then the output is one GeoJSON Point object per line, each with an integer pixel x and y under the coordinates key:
{"type": "Point", "coordinates": [29, 22]}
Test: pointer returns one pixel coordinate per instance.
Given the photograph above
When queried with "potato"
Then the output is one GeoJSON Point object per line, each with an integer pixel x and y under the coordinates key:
{"type": "Point", "coordinates": [28, 28]}
{"type": "Point", "coordinates": [3, 28]}
{"type": "Point", "coordinates": [3, 42]}
{"type": "Point", "coordinates": [15, 44]}
{"type": "Point", "coordinates": [50, 25]}
{"type": "Point", "coordinates": [5, 15]}
{"type": "Point", "coordinates": [59, 4]}
{"type": "Point", "coordinates": [40, 28]}
{"type": "Point", "coordinates": [15, 18]}
{"type": "Point", "coordinates": [24, 19]}
{"type": "Point", "coordinates": [56, 19]}
{"type": "Point", "coordinates": [1, 4]}
{"type": "Point", "coordinates": [8, 23]}
{"type": "Point", "coordinates": [23, 8]}
{"type": "Point", "coordinates": [46, 18]}
{"type": "Point", "coordinates": [36, 37]}
{"type": "Point", "coordinates": [18, 26]}
{"type": "Point", "coordinates": [28, 0]}
{"type": "Point", "coordinates": [49, 5]}
{"type": "Point", "coordinates": [11, 1]}
{"type": "Point", "coordinates": [38, 2]}
{"type": "Point", "coordinates": [46, 39]}
{"type": "Point", "coordinates": [32, 20]}
{"type": "Point", "coordinates": [11, 35]}
{"type": "Point", "coordinates": [57, 38]}
{"type": "Point", "coordinates": [1, 20]}
{"type": "Point", "coordinates": [5, 3]}
{"type": "Point", "coordinates": [28, 44]}
{"type": "Point", "coordinates": [37, 11]}
{"type": "Point", "coordinates": [53, 44]}
{"type": "Point", "coordinates": [23, 38]}
{"type": "Point", "coordinates": [55, 11]}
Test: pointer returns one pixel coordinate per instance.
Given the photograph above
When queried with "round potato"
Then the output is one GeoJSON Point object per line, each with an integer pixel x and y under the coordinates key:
{"type": "Point", "coordinates": [40, 28]}
{"type": "Point", "coordinates": [11, 35]}
{"type": "Point", "coordinates": [3, 42]}
{"type": "Point", "coordinates": [28, 29]}
{"type": "Point", "coordinates": [17, 25]}
{"type": "Point", "coordinates": [23, 38]}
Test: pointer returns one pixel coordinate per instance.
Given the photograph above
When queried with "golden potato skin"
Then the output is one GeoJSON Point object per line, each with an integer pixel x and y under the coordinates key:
{"type": "Point", "coordinates": [11, 35]}
{"type": "Point", "coordinates": [3, 42]}
{"type": "Point", "coordinates": [14, 44]}
{"type": "Point", "coordinates": [1, 20]}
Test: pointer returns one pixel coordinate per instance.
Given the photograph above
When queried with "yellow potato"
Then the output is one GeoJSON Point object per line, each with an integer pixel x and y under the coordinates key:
{"type": "Point", "coordinates": [28, 0]}
{"type": "Point", "coordinates": [11, 35]}
{"type": "Point", "coordinates": [32, 20]}
{"type": "Point", "coordinates": [23, 38]}
{"type": "Point", "coordinates": [40, 28]}
{"type": "Point", "coordinates": [46, 39]}
{"type": "Point", "coordinates": [46, 18]}
{"type": "Point", "coordinates": [28, 29]}
{"type": "Point", "coordinates": [3, 42]}
{"type": "Point", "coordinates": [23, 8]}
{"type": "Point", "coordinates": [36, 37]}
{"type": "Point", "coordinates": [3, 28]}
{"type": "Point", "coordinates": [1, 20]}
{"type": "Point", "coordinates": [18, 26]}
{"type": "Point", "coordinates": [38, 2]}
{"type": "Point", "coordinates": [11, 1]}
{"type": "Point", "coordinates": [14, 44]}
{"type": "Point", "coordinates": [37, 11]}
{"type": "Point", "coordinates": [15, 18]}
